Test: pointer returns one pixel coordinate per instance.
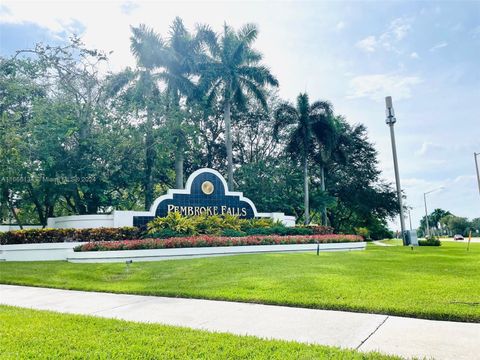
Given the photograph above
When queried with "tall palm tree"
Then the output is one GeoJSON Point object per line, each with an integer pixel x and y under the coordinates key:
{"type": "Point", "coordinates": [232, 69]}
{"type": "Point", "coordinates": [307, 127]}
{"type": "Point", "coordinates": [332, 152]}
{"type": "Point", "coordinates": [141, 88]}
{"type": "Point", "coordinates": [172, 62]}
{"type": "Point", "coordinates": [178, 66]}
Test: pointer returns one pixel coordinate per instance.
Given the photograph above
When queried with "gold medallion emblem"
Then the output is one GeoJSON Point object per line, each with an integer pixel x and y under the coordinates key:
{"type": "Point", "coordinates": [207, 187]}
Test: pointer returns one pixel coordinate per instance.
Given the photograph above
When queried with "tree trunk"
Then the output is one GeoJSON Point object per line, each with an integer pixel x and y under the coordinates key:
{"type": "Point", "coordinates": [228, 143]}
{"type": "Point", "coordinates": [305, 190]}
{"type": "Point", "coordinates": [322, 182]}
{"type": "Point", "coordinates": [149, 160]}
{"type": "Point", "coordinates": [179, 156]}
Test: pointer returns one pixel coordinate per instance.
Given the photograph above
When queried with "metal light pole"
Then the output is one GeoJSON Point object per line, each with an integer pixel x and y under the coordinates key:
{"type": "Point", "coordinates": [426, 214]}
{"type": "Point", "coordinates": [476, 167]}
{"type": "Point", "coordinates": [390, 120]}
{"type": "Point", "coordinates": [426, 211]}
{"type": "Point", "coordinates": [410, 219]}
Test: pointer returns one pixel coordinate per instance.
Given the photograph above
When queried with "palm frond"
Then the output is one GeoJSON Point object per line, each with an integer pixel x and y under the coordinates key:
{"type": "Point", "coordinates": [205, 35]}
{"type": "Point", "coordinates": [285, 115]}
{"type": "Point", "coordinates": [324, 107]}
{"type": "Point", "coordinates": [146, 45]}
{"type": "Point", "coordinates": [260, 74]}
{"type": "Point", "coordinates": [255, 90]}
{"type": "Point", "coordinates": [248, 33]}
{"type": "Point", "coordinates": [239, 98]}
{"type": "Point", "coordinates": [212, 94]}
{"type": "Point", "coordinates": [117, 82]}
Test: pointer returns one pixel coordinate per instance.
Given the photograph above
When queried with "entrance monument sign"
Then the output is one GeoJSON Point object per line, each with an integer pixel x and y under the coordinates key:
{"type": "Point", "coordinates": [206, 192]}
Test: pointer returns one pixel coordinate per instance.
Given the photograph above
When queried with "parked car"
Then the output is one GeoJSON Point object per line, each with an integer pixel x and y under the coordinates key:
{"type": "Point", "coordinates": [457, 237]}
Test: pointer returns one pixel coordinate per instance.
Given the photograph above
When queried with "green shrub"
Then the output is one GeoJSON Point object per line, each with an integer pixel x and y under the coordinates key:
{"type": "Point", "coordinates": [38, 236]}
{"type": "Point", "coordinates": [320, 229]}
{"type": "Point", "coordinates": [430, 241]}
{"type": "Point", "coordinates": [280, 230]}
{"type": "Point", "coordinates": [261, 223]}
{"type": "Point", "coordinates": [363, 231]}
{"type": "Point", "coordinates": [219, 224]}
{"type": "Point", "coordinates": [233, 233]}
{"type": "Point", "coordinates": [162, 234]}
{"type": "Point", "coordinates": [174, 221]}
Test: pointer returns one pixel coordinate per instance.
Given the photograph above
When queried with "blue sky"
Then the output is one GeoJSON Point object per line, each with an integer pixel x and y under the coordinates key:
{"type": "Point", "coordinates": [424, 54]}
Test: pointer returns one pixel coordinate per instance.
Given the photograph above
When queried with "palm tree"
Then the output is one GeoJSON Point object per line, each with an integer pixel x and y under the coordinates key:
{"type": "Point", "coordinates": [172, 62]}
{"type": "Point", "coordinates": [307, 127]}
{"type": "Point", "coordinates": [179, 65]}
{"type": "Point", "coordinates": [232, 69]}
{"type": "Point", "coordinates": [141, 88]}
{"type": "Point", "coordinates": [332, 151]}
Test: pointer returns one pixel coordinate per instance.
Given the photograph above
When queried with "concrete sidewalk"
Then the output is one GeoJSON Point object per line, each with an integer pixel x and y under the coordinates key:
{"type": "Point", "coordinates": [405, 337]}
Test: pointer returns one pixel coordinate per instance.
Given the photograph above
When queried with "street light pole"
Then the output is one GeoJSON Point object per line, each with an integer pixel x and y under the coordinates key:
{"type": "Point", "coordinates": [476, 167]}
{"type": "Point", "coordinates": [410, 219]}
{"type": "Point", "coordinates": [390, 122]}
{"type": "Point", "coordinates": [426, 213]}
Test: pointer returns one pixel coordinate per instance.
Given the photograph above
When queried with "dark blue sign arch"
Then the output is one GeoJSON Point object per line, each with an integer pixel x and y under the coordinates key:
{"type": "Point", "coordinates": [206, 192]}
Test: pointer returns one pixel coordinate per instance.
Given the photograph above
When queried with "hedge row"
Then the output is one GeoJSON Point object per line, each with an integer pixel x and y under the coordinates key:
{"type": "Point", "coordinates": [214, 241]}
{"type": "Point", "coordinates": [38, 236]}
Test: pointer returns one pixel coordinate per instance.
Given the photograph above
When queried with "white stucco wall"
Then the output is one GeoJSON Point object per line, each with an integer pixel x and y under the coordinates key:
{"type": "Point", "coordinates": [81, 221]}
{"type": "Point", "coordinates": [64, 251]}
{"type": "Point", "coordinates": [37, 252]}
{"type": "Point", "coordinates": [125, 218]}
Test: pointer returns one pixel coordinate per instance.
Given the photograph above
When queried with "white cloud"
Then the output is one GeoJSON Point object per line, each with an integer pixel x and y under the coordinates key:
{"type": "Point", "coordinates": [369, 44]}
{"type": "Point", "coordinates": [399, 28]}
{"type": "Point", "coordinates": [377, 86]}
{"type": "Point", "coordinates": [396, 31]}
{"type": "Point", "coordinates": [439, 46]}
{"type": "Point", "coordinates": [414, 55]}
{"type": "Point", "coordinates": [129, 6]}
{"type": "Point", "coordinates": [340, 25]}
{"type": "Point", "coordinates": [429, 147]}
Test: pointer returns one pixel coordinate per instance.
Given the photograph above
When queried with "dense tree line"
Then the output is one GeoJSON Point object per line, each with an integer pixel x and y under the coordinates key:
{"type": "Point", "coordinates": [443, 222]}
{"type": "Point", "coordinates": [76, 139]}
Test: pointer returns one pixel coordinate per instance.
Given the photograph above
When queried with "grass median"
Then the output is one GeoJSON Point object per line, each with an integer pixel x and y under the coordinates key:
{"type": "Point", "coordinates": [426, 282]}
{"type": "Point", "coordinates": [26, 334]}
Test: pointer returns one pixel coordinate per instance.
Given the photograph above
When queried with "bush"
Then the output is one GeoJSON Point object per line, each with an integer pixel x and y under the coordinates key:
{"type": "Point", "coordinates": [430, 241]}
{"type": "Point", "coordinates": [174, 221]}
{"type": "Point", "coordinates": [280, 230]}
{"type": "Point", "coordinates": [162, 234]}
{"type": "Point", "coordinates": [363, 231]}
{"type": "Point", "coordinates": [37, 236]}
{"type": "Point", "coordinates": [212, 241]}
{"type": "Point", "coordinates": [320, 229]}
{"type": "Point", "coordinates": [233, 233]}
{"type": "Point", "coordinates": [217, 225]}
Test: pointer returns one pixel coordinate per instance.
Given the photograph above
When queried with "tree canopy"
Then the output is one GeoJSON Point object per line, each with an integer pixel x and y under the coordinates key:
{"type": "Point", "coordinates": [77, 140]}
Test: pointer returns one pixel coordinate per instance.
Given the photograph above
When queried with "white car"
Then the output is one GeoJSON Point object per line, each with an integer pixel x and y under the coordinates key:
{"type": "Point", "coordinates": [457, 237]}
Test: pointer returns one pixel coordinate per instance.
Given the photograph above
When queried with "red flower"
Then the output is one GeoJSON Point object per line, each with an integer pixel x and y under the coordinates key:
{"type": "Point", "coordinates": [213, 241]}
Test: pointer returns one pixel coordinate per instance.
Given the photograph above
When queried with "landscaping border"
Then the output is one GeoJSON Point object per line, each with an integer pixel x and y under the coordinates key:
{"type": "Point", "coordinates": [186, 253]}
{"type": "Point", "coordinates": [64, 251]}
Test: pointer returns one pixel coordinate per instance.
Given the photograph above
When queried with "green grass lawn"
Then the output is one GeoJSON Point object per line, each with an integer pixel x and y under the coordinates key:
{"type": "Point", "coordinates": [28, 334]}
{"type": "Point", "coordinates": [427, 282]}
{"type": "Point", "coordinates": [393, 241]}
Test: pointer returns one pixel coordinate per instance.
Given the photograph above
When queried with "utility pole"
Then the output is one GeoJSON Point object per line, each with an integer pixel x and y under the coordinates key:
{"type": "Point", "coordinates": [476, 167]}
{"type": "Point", "coordinates": [390, 120]}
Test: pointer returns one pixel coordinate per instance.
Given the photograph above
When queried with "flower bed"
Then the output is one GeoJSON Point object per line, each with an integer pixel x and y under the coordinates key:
{"type": "Point", "coordinates": [214, 241]}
